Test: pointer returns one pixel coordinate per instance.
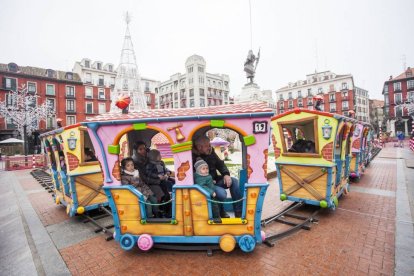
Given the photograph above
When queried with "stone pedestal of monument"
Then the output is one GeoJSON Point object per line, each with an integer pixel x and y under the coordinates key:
{"type": "Point", "coordinates": [250, 91]}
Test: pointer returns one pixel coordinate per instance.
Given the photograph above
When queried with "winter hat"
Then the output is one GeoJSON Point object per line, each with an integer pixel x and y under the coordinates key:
{"type": "Point", "coordinates": [198, 164]}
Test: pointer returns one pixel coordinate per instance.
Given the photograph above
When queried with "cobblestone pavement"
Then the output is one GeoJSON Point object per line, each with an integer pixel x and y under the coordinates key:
{"type": "Point", "coordinates": [358, 238]}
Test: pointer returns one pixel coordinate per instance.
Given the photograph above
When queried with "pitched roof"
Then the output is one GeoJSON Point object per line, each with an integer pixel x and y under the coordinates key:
{"type": "Point", "coordinates": [41, 72]}
{"type": "Point", "coordinates": [404, 74]}
{"type": "Point", "coordinates": [189, 113]}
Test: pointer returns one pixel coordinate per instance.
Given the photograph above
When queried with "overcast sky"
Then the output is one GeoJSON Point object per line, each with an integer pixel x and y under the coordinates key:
{"type": "Point", "coordinates": [365, 38]}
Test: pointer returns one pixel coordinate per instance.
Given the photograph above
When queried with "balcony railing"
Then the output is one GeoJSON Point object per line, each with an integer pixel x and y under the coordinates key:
{"type": "Point", "coordinates": [345, 108]}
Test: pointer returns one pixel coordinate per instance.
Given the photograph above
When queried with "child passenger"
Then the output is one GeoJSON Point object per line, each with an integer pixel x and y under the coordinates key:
{"type": "Point", "coordinates": [205, 180]}
{"type": "Point", "coordinates": [156, 170]}
{"type": "Point", "coordinates": [130, 176]}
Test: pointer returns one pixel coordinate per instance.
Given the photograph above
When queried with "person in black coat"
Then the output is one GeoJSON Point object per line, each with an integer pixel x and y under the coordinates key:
{"type": "Point", "coordinates": [202, 149]}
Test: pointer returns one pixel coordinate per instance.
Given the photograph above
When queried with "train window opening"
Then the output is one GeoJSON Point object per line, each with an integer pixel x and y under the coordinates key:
{"type": "Point", "coordinates": [229, 146]}
{"type": "Point", "coordinates": [51, 154]}
{"type": "Point", "coordinates": [300, 137]}
{"type": "Point", "coordinates": [340, 141]}
{"type": "Point", "coordinates": [348, 141]}
{"type": "Point", "coordinates": [87, 153]}
{"type": "Point", "coordinates": [144, 147]}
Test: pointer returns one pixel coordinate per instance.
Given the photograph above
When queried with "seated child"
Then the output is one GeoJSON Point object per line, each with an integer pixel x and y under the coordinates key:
{"type": "Point", "coordinates": [204, 179]}
{"type": "Point", "coordinates": [130, 176]}
{"type": "Point", "coordinates": [156, 169]}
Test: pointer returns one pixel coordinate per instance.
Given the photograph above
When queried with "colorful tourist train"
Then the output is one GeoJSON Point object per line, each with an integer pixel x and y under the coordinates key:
{"type": "Point", "coordinates": [315, 153]}
{"type": "Point", "coordinates": [191, 219]}
{"type": "Point", "coordinates": [360, 149]}
{"type": "Point", "coordinates": [76, 173]}
{"type": "Point", "coordinates": [312, 155]}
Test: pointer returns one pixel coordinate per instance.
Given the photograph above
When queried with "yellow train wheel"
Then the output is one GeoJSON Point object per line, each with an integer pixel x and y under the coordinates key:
{"type": "Point", "coordinates": [227, 243]}
{"type": "Point", "coordinates": [80, 210]}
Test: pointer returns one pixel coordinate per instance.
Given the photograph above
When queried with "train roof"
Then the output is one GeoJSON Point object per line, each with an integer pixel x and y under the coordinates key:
{"type": "Point", "coordinates": [242, 110]}
{"type": "Point", "coordinates": [59, 130]}
{"type": "Point", "coordinates": [333, 115]}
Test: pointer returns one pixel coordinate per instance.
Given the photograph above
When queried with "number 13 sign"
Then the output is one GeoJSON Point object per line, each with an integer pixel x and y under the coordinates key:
{"type": "Point", "coordinates": [259, 127]}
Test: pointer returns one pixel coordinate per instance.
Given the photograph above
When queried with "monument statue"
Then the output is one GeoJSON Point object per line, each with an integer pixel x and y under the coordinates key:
{"type": "Point", "coordinates": [250, 65]}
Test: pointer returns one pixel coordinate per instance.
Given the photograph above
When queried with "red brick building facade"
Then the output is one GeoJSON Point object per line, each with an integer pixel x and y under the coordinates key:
{"type": "Point", "coordinates": [397, 91]}
{"type": "Point", "coordinates": [338, 92]}
{"type": "Point", "coordinates": [63, 90]}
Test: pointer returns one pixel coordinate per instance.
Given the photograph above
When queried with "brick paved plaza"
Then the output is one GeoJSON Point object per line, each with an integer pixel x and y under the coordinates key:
{"type": "Point", "coordinates": [360, 237]}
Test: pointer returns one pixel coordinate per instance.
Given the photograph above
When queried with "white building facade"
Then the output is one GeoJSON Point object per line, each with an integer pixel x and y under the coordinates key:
{"type": "Point", "coordinates": [99, 77]}
{"type": "Point", "coordinates": [195, 88]}
{"type": "Point", "coordinates": [361, 105]}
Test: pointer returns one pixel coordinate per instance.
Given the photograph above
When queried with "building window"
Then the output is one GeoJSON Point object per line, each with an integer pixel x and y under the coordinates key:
{"type": "Point", "coordinates": [290, 95]}
{"type": "Point", "coordinates": [191, 92]}
{"type": "Point", "coordinates": [410, 84]}
{"type": "Point", "coordinates": [320, 90]}
{"type": "Point", "coordinates": [290, 104]}
{"type": "Point", "coordinates": [10, 84]}
{"type": "Point", "coordinates": [200, 69]}
{"type": "Point", "coordinates": [299, 94]}
{"type": "Point", "coordinates": [310, 102]}
{"type": "Point", "coordinates": [13, 67]}
{"type": "Point", "coordinates": [101, 108]}
{"type": "Point", "coordinates": [345, 105]}
{"type": "Point", "coordinates": [190, 69]}
{"type": "Point", "coordinates": [191, 102]}
{"type": "Point", "coordinates": [280, 97]}
{"type": "Point", "coordinates": [50, 89]}
{"type": "Point", "coordinates": [101, 80]}
{"type": "Point", "coordinates": [70, 105]}
{"type": "Point", "coordinates": [411, 97]}
{"type": "Point", "coordinates": [344, 85]}
{"type": "Point", "coordinates": [147, 86]}
{"type": "Point", "coordinates": [50, 121]}
{"type": "Point", "coordinates": [10, 124]}
{"type": "Point", "coordinates": [202, 102]}
{"type": "Point", "coordinates": [332, 107]}
{"type": "Point", "coordinates": [49, 73]}
{"type": "Point", "coordinates": [331, 88]}
{"type": "Point", "coordinates": [88, 108]}
{"type": "Point", "coordinates": [397, 98]}
{"type": "Point", "coordinates": [88, 78]}
{"type": "Point", "coordinates": [88, 92]}
{"type": "Point", "coordinates": [70, 91]}
{"type": "Point", "coordinates": [397, 86]}
{"type": "Point", "coordinates": [87, 63]}
{"type": "Point", "coordinates": [300, 102]}
{"type": "Point", "coordinates": [112, 81]}
{"type": "Point", "coordinates": [70, 120]}
{"type": "Point", "coordinates": [332, 97]}
{"type": "Point", "coordinates": [110, 68]}
{"type": "Point", "coordinates": [31, 87]}
{"type": "Point", "coordinates": [9, 99]}
{"type": "Point", "coordinates": [345, 94]}
{"type": "Point", "coordinates": [51, 103]}
{"type": "Point", "coordinates": [398, 111]}
{"type": "Point", "coordinates": [309, 92]}
{"type": "Point", "coordinates": [99, 66]}
{"type": "Point", "coordinates": [69, 76]}
{"type": "Point", "coordinates": [201, 92]}
{"type": "Point", "coordinates": [101, 94]}
{"type": "Point", "coordinates": [201, 80]}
